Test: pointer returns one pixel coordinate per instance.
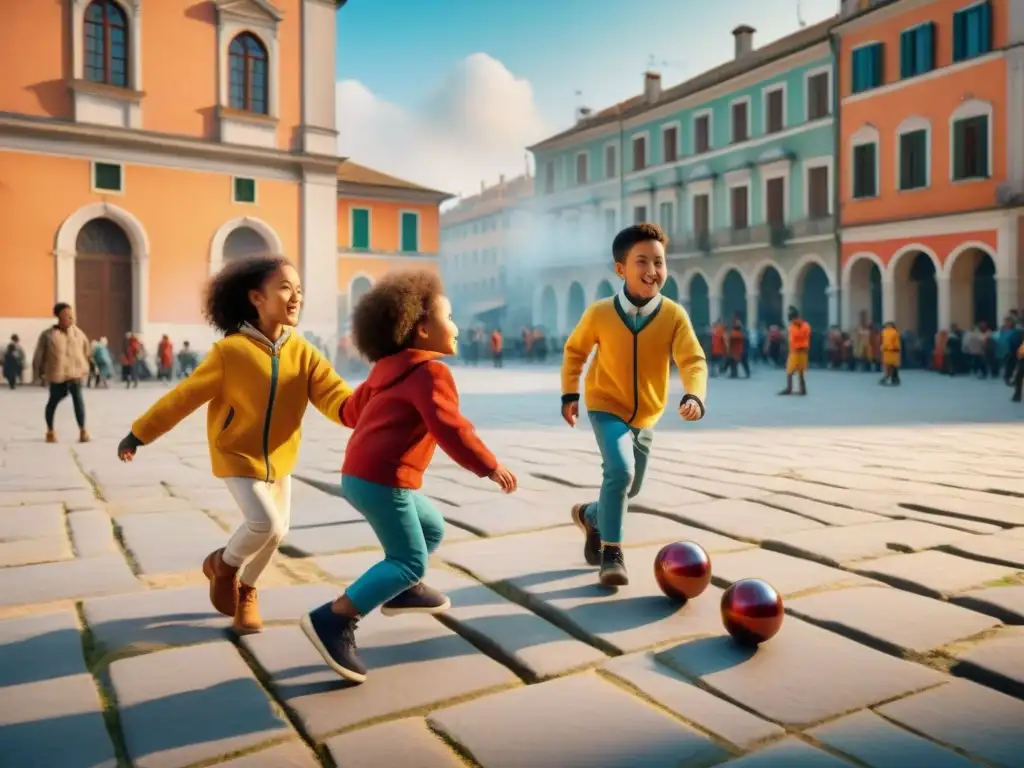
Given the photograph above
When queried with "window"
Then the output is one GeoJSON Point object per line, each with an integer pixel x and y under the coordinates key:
{"type": "Point", "coordinates": [702, 134]}
{"type": "Point", "coordinates": [914, 160]}
{"type": "Point", "coordinates": [865, 170]}
{"type": "Point", "coordinates": [971, 148]}
{"type": "Point", "coordinates": [818, 192]}
{"type": "Point", "coordinates": [581, 168]}
{"type": "Point", "coordinates": [410, 232]}
{"type": "Point", "coordinates": [609, 223]}
{"type": "Point", "coordinates": [243, 190]}
{"type": "Point", "coordinates": [818, 96]}
{"type": "Point", "coordinates": [665, 217]}
{"type": "Point", "coordinates": [868, 67]}
{"type": "Point", "coordinates": [917, 50]}
{"type": "Point", "coordinates": [774, 114]}
{"type": "Point", "coordinates": [549, 177]}
{"type": "Point", "coordinates": [738, 197]}
{"type": "Point", "coordinates": [609, 162]}
{"type": "Point", "coordinates": [639, 153]}
{"type": "Point", "coordinates": [775, 201]}
{"type": "Point", "coordinates": [670, 144]}
{"type": "Point", "coordinates": [972, 32]}
{"type": "Point", "coordinates": [107, 177]}
{"type": "Point", "coordinates": [640, 214]}
{"type": "Point", "coordinates": [361, 228]}
{"type": "Point", "coordinates": [701, 215]}
{"type": "Point", "coordinates": [106, 44]}
{"type": "Point", "coordinates": [740, 128]}
{"type": "Point", "coordinates": [248, 74]}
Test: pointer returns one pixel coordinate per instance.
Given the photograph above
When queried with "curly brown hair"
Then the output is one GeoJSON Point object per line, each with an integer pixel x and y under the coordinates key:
{"type": "Point", "coordinates": [226, 304]}
{"type": "Point", "coordinates": [386, 316]}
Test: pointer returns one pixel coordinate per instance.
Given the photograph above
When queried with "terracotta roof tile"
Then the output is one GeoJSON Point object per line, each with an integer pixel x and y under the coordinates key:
{"type": "Point", "coordinates": [353, 173]}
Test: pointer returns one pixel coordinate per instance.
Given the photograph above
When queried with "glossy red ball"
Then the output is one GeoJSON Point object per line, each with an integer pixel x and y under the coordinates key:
{"type": "Point", "coordinates": [752, 611]}
{"type": "Point", "coordinates": [682, 570]}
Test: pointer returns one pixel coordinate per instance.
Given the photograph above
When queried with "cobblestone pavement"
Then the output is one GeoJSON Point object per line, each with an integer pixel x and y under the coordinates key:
{"type": "Point", "coordinates": [892, 522]}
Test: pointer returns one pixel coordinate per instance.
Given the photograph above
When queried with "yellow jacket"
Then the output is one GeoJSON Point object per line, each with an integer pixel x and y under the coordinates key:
{"type": "Point", "coordinates": [257, 393]}
{"type": "Point", "coordinates": [629, 374]}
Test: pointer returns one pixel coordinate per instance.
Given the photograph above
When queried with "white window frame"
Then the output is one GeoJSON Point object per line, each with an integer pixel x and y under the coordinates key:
{"type": "Point", "coordinates": [614, 146]}
{"type": "Point", "coordinates": [693, 190]}
{"type": "Point", "coordinates": [734, 179]}
{"type": "Point", "coordinates": [825, 161]}
{"type": "Point", "coordinates": [419, 230]}
{"type": "Point", "coordinates": [830, 82]}
{"type": "Point", "coordinates": [967, 110]}
{"type": "Point", "coordinates": [255, 191]}
{"type": "Point", "coordinates": [352, 227]}
{"type": "Point", "coordinates": [615, 218]}
{"type": "Point", "coordinates": [646, 136]}
{"type": "Point", "coordinates": [92, 178]}
{"type": "Point", "coordinates": [679, 140]}
{"type": "Point", "coordinates": [911, 125]}
{"type": "Point", "coordinates": [632, 212]}
{"type": "Point", "coordinates": [673, 224]}
{"type": "Point", "coordinates": [732, 128]}
{"type": "Point", "coordinates": [710, 115]}
{"type": "Point", "coordinates": [586, 169]}
{"type": "Point", "coordinates": [765, 93]}
{"type": "Point", "coordinates": [780, 169]}
{"type": "Point", "coordinates": [866, 134]}
{"type": "Point", "coordinates": [264, 26]}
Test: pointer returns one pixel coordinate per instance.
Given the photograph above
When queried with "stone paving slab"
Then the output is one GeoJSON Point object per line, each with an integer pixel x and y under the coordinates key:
{"type": "Point", "coordinates": [1004, 550]}
{"type": "Point", "coordinates": [923, 624]}
{"type": "Point", "coordinates": [49, 495]}
{"type": "Point", "coordinates": [32, 522]}
{"type": "Point", "coordinates": [828, 514]}
{"type": "Point", "coordinates": [804, 675]}
{"type": "Point", "coordinates": [328, 539]}
{"type": "Point", "coordinates": [996, 660]}
{"type": "Point", "coordinates": [407, 743]}
{"type": "Point", "coordinates": [170, 542]}
{"type": "Point", "coordinates": [92, 533]}
{"type": "Point", "coordinates": [454, 493]}
{"type": "Point", "coordinates": [789, 753]}
{"type": "Point", "coordinates": [290, 754]}
{"type": "Point", "coordinates": [965, 715]}
{"type": "Point", "coordinates": [186, 705]}
{"type": "Point", "coordinates": [512, 514]}
{"type": "Point", "coordinates": [1006, 603]}
{"type": "Point", "coordinates": [662, 497]}
{"type": "Point", "coordinates": [993, 510]}
{"type": "Point", "coordinates": [938, 574]}
{"type": "Point", "coordinates": [713, 488]}
{"type": "Point", "coordinates": [839, 546]}
{"type": "Point", "coordinates": [744, 520]}
{"type": "Point", "coordinates": [45, 646]}
{"type": "Point", "coordinates": [32, 551]}
{"type": "Point", "coordinates": [878, 743]}
{"type": "Point", "coordinates": [679, 695]}
{"type": "Point", "coordinates": [789, 575]}
{"type": "Point", "coordinates": [150, 505]}
{"type": "Point", "coordinates": [71, 579]}
{"type": "Point", "coordinates": [956, 523]}
{"type": "Point", "coordinates": [599, 724]}
{"type": "Point", "coordinates": [413, 662]}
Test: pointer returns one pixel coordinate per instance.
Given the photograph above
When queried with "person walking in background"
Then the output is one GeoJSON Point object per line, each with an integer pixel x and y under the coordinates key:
{"type": "Point", "coordinates": [799, 346]}
{"type": "Point", "coordinates": [104, 365]}
{"type": "Point", "coordinates": [61, 360]}
{"type": "Point", "coordinates": [187, 360]}
{"type": "Point", "coordinates": [130, 360]}
{"type": "Point", "coordinates": [497, 347]}
{"type": "Point", "coordinates": [164, 359]}
{"type": "Point", "coordinates": [14, 362]}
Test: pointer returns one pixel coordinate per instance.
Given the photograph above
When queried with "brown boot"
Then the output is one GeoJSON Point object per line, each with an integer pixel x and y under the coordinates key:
{"type": "Point", "coordinates": [51, 436]}
{"type": "Point", "coordinates": [83, 436]}
{"type": "Point", "coordinates": [223, 583]}
{"type": "Point", "coordinates": [247, 615]}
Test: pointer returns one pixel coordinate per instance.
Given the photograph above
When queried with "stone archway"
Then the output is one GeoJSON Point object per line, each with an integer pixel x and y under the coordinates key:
{"type": "Point", "coordinates": [864, 289]}
{"type": "Point", "coordinates": [103, 282]}
{"type": "Point", "coordinates": [575, 305]}
{"type": "Point", "coordinates": [769, 297]}
{"type": "Point", "coordinates": [734, 296]}
{"type": "Point", "coordinates": [245, 243]}
{"type": "Point", "coordinates": [671, 289]}
{"type": "Point", "coordinates": [604, 290]}
{"type": "Point", "coordinates": [812, 287]}
{"type": "Point", "coordinates": [972, 287]}
{"type": "Point", "coordinates": [914, 280]}
{"type": "Point", "coordinates": [549, 309]}
{"type": "Point", "coordinates": [359, 286]}
{"type": "Point", "coordinates": [700, 302]}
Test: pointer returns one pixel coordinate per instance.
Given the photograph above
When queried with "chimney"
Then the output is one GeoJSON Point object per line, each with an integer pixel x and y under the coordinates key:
{"type": "Point", "coordinates": [652, 86]}
{"type": "Point", "coordinates": [744, 40]}
{"type": "Point", "coordinates": [501, 184]}
{"type": "Point", "coordinates": [582, 114]}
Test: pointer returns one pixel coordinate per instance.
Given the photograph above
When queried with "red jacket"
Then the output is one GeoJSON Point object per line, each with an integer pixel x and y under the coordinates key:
{"type": "Point", "coordinates": [407, 407]}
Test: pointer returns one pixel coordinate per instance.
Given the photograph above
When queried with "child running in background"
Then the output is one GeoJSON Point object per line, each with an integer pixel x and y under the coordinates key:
{"type": "Point", "coordinates": [891, 353]}
{"type": "Point", "coordinates": [407, 406]}
{"type": "Point", "coordinates": [257, 380]}
{"type": "Point", "coordinates": [635, 334]}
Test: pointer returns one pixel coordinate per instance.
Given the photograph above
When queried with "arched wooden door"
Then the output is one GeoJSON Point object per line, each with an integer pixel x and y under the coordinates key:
{"type": "Point", "coordinates": [103, 282]}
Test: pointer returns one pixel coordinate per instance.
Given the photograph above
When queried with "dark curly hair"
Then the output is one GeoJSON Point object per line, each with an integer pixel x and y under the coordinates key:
{"type": "Point", "coordinates": [226, 304]}
{"type": "Point", "coordinates": [637, 233]}
{"type": "Point", "coordinates": [386, 316]}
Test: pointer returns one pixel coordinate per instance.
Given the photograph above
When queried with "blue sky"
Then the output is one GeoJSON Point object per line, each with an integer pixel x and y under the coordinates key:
{"type": "Point", "coordinates": [401, 49]}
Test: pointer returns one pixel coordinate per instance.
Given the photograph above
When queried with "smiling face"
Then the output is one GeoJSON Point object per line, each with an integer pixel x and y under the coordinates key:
{"type": "Point", "coordinates": [437, 332]}
{"type": "Point", "coordinates": [643, 269]}
{"type": "Point", "coordinates": [279, 300]}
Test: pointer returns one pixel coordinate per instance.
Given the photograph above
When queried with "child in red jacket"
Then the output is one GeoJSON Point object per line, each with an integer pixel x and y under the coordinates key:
{"type": "Point", "coordinates": [407, 406]}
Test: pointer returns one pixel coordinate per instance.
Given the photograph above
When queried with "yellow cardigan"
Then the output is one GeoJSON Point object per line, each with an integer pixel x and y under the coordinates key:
{"type": "Point", "coordinates": [629, 374]}
{"type": "Point", "coordinates": [257, 396]}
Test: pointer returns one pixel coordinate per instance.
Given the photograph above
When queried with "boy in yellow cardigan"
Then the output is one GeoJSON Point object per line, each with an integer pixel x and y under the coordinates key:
{"type": "Point", "coordinates": [636, 333]}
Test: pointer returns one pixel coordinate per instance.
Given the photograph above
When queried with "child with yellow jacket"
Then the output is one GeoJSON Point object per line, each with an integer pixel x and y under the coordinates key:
{"type": "Point", "coordinates": [891, 353]}
{"type": "Point", "coordinates": [636, 334]}
{"type": "Point", "coordinates": [257, 381]}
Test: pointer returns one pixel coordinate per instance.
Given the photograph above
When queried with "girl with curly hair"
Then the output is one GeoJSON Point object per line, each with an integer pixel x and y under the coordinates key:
{"type": "Point", "coordinates": [406, 408]}
{"type": "Point", "coordinates": [257, 381]}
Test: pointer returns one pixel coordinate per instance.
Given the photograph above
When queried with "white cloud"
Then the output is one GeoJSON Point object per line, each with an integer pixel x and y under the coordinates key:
{"type": "Point", "coordinates": [475, 126]}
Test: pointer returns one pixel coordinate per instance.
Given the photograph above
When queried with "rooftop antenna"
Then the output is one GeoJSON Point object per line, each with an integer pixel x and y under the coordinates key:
{"type": "Point", "coordinates": [800, 14]}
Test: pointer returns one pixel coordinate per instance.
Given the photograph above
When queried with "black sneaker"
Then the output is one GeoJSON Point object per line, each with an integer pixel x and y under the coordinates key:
{"type": "Point", "coordinates": [613, 567]}
{"type": "Point", "coordinates": [419, 598]}
{"type": "Point", "coordinates": [334, 637]}
{"type": "Point", "coordinates": [592, 545]}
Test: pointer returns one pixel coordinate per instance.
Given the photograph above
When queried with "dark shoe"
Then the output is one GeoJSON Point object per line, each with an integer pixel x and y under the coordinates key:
{"type": "Point", "coordinates": [613, 568]}
{"type": "Point", "coordinates": [786, 392]}
{"type": "Point", "coordinates": [592, 545]}
{"type": "Point", "coordinates": [419, 598]}
{"type": "Point", "coordinates": [223, 583]}
{"type": "Point", "coordinates": [333, 636]}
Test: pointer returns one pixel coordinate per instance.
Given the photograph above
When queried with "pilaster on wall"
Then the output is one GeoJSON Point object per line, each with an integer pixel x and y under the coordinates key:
{"type": "Point", "coordinates": [319, 265]}
{"type": "Point", "coordinates": [944, 308]}
{"type": "Point", "coordinates": [319, 119]}
{"type": "Point", "coordinates": [1015, 111]}
{"type": "Point", "coordinates": [833, 294]}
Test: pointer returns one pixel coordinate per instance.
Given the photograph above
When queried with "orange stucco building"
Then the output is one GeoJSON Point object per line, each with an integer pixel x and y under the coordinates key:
{"type": "Point", "coordinates": [144, 142]}
{"type": "Point", "coordinates": [931, 181]}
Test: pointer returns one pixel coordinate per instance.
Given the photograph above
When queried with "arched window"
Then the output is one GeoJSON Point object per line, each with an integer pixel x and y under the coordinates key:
{"type": "Point", "coordinates": [106, 44]}
{"type": "Point", "coordinates": [248, 74]}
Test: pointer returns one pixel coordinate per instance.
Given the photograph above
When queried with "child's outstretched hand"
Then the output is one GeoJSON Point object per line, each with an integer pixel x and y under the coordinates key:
{"type": "Point", "coordinates": [126, 448]}
{"type": "Point", "coordinates": [690, 410]}
{"type": "Point", "coordinates": [571, 413]}
{"type": "Point", "coordinates": [504, 478]}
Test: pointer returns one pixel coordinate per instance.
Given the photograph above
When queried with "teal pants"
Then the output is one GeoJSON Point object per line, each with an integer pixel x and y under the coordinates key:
{"type": "Point", "coordinates": [409, 528]}
{"type": "Point", "coordinates": [624, 453]}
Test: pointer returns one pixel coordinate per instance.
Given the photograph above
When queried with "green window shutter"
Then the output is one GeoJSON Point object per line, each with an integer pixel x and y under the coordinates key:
{"type": "Point", "coordinates": [959, 36]}
{"type": "Point", "coordinates": [245, 190]}
{"type": "Point", "coordinates": [360, 228]}
{"type": "Point", "coordinates": [959, 158]}
{"type": "Point", "coordinates": [410, 232]}
{"type": "Point", "coordinates": [878, 61]}
{"type": "Point", "coordinates": [107, 177]}
{"type": "Point", "coordinates": [907, 40]}
{"type": "Point", "coordinates": [982, 134]}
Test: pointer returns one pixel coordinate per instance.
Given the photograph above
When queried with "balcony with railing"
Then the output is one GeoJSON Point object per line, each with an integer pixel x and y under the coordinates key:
{"type": "Point", "coordinates": [818, 226]}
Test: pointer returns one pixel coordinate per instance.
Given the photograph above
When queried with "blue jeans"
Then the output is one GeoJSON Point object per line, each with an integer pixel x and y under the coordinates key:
{"type": "Point", "coordinates": [409, 528]}
{"type": "Point", "coordinates": [624, 453]}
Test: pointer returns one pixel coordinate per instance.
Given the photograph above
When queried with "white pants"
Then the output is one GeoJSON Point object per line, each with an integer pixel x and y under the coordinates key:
{"type": "Point", "coordinates": [266, 508]}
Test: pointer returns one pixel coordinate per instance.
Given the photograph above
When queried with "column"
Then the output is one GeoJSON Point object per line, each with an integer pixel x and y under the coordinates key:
{"type": "Point", "coordinates": [319, 133]}
{"type": "Point", "coordinates": [680, 222]}
{"type": "Point", "coordinates": [889, 300]}
{"type": "Point", "coordinates": [140, 293]}
{"type": "Point", "coordinates": [833, 305]}
{"type": "Point", "coordinates": [1007, 276]}
{"type": "Point", "coordinates": [1007, 296]}
{"type": "Point", "coordinates": [319, 263]}
{"type": "Point", "coordinates": [942, 284]}
{"type": "Point", "coordinates": [752, 302]}
{"type": "Point", "coordinates": [715, 308]}
{"type": "Point", "coordinates": [788, 300]}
